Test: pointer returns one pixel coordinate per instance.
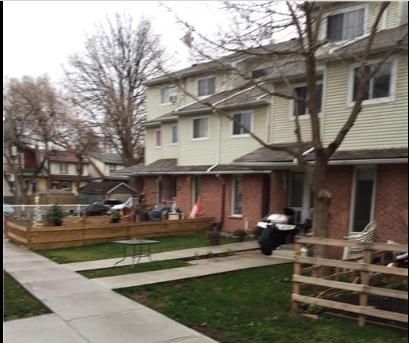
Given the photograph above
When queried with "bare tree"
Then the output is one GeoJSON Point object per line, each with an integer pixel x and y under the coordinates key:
{"type": "Point", "coordinates": [256, 26]}
{"type": "Point", "coordinates": [107, 82]}
{"type": "Point", "coordinates": [31, 108]}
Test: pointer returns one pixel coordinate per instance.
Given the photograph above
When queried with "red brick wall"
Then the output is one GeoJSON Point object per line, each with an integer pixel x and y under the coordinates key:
{"type": "Point", "coordinates": [391, 199]}
{"type": "Point", "coordinates": [339, 183]}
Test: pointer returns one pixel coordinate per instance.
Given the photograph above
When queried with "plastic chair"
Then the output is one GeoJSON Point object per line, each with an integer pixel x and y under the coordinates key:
{"type": "Point", "coordinates": [367, 235]}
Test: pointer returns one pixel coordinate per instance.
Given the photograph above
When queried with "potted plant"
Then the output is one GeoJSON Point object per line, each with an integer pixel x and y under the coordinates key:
{"type": "Point", "coordinates": [214, 237]}
{"type": "Point", "coordinates": [115, 217]}
{"type": "Point", "coordinates": [239, 235]}
{"type": "Point", "coordinates": [55, 214]}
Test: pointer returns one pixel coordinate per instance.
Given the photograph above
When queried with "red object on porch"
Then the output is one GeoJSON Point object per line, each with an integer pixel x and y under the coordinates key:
{"type": "Point", "coordinates": [196, 209]}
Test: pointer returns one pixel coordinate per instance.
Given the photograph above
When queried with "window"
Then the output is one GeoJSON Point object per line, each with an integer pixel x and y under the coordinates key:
{"type": "Point", "coordinates": [168, 95]}
{"type": "Point", "coordinates": [66, 186]}
{"type": "Point", "coordinates": [237, 195]}
{"type": "Point", "coordinates": [206, 86]}
{"type": "Point", "coordinates": [379, 86]}
{"type": "Point", "coordinates": [346, 25]}
{"type": "Point", "coordinates": [245, 120]}
{"type": "Point", "coordinates": [158, 138]}
{"type": "Point", "coordinates": [261, 72]}
{"type": "Point", "coordinates": [174, 134]}
{"type": "Point", "coordinates": [200, 128]}
{"type": "Point", "coordinates": [302, 107]}
{"type": "Point", "coordinates": [111, 167]}
{"type": "Point", "coordinates": [63, 167]}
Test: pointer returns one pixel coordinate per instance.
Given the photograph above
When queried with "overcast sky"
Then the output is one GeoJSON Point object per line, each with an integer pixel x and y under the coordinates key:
{"type": "Point", "coordinates": [38, 36]}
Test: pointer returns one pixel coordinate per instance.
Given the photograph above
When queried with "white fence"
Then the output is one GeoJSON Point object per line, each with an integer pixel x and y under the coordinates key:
{"type": "Point", "coordinates": [28, 210]}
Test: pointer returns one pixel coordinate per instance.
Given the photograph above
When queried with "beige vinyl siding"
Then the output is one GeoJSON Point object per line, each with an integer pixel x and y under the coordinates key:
{"type": "Point", "coordinates": [153, 102]}
{"type": "Point", "coordinates": [392, 15]}
{"type": "Point", "coordinates": [167, 150]}
{"type": "Point", "coordinates": [403, 12]}
{"type": "Point", "coordinates": [197, 152]}
{"type": "Point", "coordinates": [382, 125]}
{"type": "Point", "coordinates": [282, 123]}
{"type": "Point", "coordinates": [234, 147]}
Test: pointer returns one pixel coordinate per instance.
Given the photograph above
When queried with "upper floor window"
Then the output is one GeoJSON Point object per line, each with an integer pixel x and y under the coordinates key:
{"type": "Point", "coordinates": [174, 134]}
{"type": "Point", "coordinates": [346, 25]}
{"type": "Point", "coordinates": [380, 86]}
{"type": "Point", "coordinates": [301, 107]}
{"type": "Point", "coordinates": [261, 72]}
{"type": "Point", "coordinates": [111, 167]}
{"type": "Point", "coordinates": [63, 167]}
{"type": "Point", "coordinates": [200, 128]}
{"type": "Point", "coordinates": [158, 138]}
{"type": "Point", "coordinates": [245, 120]}
{"type": "Point", "coordinates": [206, 86]}
{"type": "Point", "coordinates": [168, 95]}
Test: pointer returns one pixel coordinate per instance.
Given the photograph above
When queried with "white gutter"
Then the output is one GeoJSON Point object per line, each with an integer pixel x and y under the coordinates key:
{"type": "Point", "coordinates": [219, 144]}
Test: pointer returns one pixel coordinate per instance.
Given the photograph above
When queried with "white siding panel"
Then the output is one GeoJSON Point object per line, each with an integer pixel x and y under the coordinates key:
{"type": "Point", "coordinates": [383, 125]}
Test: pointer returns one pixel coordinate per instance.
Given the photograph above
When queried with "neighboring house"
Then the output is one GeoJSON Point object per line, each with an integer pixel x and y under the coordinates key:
{"type": "Point", "coordinates": [104, 165]}
{"type": "Point", "coordinates": [191, 151]}
{"type": "Point", "coordinates": [105, 190]}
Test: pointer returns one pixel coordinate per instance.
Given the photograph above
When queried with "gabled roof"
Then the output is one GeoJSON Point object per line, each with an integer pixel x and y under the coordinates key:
{"type": "Point", "coordinates": [102, 187]}
{"type": "Point", "coordinates": [107, 157]}
{"type": "Point", "coordinates": [64, 156]}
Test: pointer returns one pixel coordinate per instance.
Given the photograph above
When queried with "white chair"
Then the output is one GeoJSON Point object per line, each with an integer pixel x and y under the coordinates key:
{"type": "Point", "coordinates": [367, 235]}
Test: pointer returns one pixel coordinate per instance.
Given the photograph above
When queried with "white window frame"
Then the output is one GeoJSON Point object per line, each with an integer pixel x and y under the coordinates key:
{"type": "Point", "coordinates": [172, 136]}
{"type": "Point", "coordinates": [202, 79]}
{"type": "Point", "coordinates": [63, 167]}
{"type": "Point", "coordinates": [155, 138]}
{"type": "Point", "coordinates": [233, 196]}
{"type": "Point", "coordinates": [307, 115]}
{"type": "Point", "coordinates": [251, 124]}
{"type": "Point", "coordinates": [208, 129]}
{"type": "Point", "coordinates": [345, 10]}
{"type": "Point", "coordinates": [392, 86]}
{"type": "Point", "coordinates": [172, 93]}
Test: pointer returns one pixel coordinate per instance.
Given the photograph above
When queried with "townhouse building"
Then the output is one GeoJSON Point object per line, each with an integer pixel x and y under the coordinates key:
{"type": "Point", "coordinates": [191, 151]}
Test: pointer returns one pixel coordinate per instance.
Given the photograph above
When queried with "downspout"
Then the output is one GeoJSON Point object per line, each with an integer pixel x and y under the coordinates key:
{"type": "Point", "coordinates": [220, 225]}
{"type": "Point", "coordinates": [223, 201]}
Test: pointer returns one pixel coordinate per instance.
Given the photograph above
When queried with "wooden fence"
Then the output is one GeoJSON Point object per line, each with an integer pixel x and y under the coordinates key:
{"type": "Point", "coordinates": [95, 230]}
{"type": "Point", "coordinates": [364, 269]}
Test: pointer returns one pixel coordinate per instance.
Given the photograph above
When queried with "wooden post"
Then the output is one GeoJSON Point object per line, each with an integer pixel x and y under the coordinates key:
{"type": "Point", "coordinates": [297, 271]}
{"type": "Point", "coordinates": [29, 238]}
{"type": "Point", "coordinates": [363, 297]}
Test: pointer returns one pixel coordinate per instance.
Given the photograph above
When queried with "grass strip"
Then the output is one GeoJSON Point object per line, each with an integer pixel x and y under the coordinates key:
{"type": "Point", "coordinates": [137, 268]}
{"type": "Point", "coordinates": [17, 302]}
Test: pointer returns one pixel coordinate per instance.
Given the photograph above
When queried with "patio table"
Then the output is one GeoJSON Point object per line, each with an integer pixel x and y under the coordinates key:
{"type": "Point", "coordinates": [137, 249]}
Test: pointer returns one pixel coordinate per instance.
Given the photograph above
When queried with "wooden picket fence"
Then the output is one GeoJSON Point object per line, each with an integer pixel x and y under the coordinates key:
{"type": "Point", "coordinates": [78, 231]}
{"type": "Point", "coordinates": [364, 269]}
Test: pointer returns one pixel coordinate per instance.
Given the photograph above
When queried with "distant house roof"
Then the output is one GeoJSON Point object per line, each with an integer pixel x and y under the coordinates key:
{"type": "Point", "coordinates": [130, 169]}
{"type": "Point", "coordinates": [102, 187]}
{"type": "Point", "coordinates": [108, 157]}
{"type": "Point", "coordinates": [65, 156]}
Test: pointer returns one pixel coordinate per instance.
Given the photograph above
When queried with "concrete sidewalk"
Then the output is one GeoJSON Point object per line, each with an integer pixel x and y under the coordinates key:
{"type": "Point", "coordinates": [89, 311]}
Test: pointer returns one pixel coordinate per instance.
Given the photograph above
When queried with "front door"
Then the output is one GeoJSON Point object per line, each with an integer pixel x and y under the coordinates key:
{"type": "Point", "coordinates": [300, 196]}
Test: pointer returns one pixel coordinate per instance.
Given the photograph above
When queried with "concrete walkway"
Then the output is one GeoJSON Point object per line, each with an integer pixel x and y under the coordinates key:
{"type": "Point", "coordinates": [89, 311]}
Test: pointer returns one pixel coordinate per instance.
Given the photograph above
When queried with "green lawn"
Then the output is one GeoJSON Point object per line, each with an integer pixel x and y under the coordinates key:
{"type": "Point", "coordinates": [250, 306]}
{"type": "Point", "coordinates": [113, 250]}
{"type": "Point", "coordinates": [17, 302]}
